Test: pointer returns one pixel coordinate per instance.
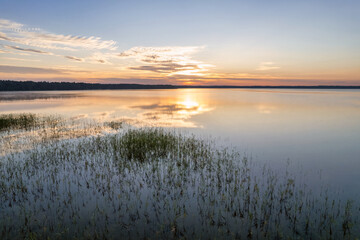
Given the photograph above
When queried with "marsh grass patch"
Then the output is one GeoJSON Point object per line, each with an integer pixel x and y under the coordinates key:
{"type": "Point", "coordinates": [149, 144]}
{"type": "Point", "coordinates": [16, 121]}
{"type": "Point", "coordinates": [26, 121]}
{"type": "Point", "coordinates": [155, 182]}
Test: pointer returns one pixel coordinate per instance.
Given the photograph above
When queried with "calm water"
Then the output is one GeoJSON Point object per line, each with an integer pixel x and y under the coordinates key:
{"type": "Point", "coordinates": [318, 130]}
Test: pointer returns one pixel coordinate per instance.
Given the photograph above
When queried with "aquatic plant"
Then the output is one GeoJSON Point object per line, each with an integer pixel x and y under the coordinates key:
{"type": "Point", "coordinates": [25, 131]}
{"type": "Point", "coordinates": [159, 183]}
{"type": "Point", "coordinates": [26, 121]}
{"type": "Point", "coordinates": [114, 124]}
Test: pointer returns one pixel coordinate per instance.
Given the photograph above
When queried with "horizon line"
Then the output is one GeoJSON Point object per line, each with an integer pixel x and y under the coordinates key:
{"type": "Point", "coordinates": [129, 86]}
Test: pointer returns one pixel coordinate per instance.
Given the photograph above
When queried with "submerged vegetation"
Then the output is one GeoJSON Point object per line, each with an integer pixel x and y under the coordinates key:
{"type": "Point", "coordinates": [159, 183]}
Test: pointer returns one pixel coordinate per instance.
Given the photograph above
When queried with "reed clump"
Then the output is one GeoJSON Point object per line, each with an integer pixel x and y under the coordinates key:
{"type": "Point", "coordinates": [156, 143]}
{"type": "Point", "coordinates": [142, 144]}
{"type": "Point", "coordinates": [26, 121]}
{"type": "Point", "coordinates": [16, 121]}
{"type": "Point", "coordinates": [114, 124]}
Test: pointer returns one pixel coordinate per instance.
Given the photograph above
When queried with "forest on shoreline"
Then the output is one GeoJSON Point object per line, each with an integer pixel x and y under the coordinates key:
{"type": "Point", "coordinates": [10, 85]}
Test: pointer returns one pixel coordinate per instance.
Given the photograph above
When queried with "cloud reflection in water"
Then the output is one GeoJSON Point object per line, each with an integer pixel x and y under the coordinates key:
{"type": "Point", "coordinates": [172, 115]}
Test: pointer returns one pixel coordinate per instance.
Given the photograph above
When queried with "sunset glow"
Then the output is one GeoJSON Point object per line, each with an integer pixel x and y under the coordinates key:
{"type": "Point", "coordinates": [206, 119]}
{"type": "Point", "coordinates": [286, 44]}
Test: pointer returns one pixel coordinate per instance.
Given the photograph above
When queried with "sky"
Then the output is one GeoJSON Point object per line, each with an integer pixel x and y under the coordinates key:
{"type": "Point", "coordinates": [254, 42]}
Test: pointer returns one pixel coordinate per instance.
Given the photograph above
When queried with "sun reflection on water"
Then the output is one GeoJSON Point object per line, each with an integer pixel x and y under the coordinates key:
{"type": "Point", "coordinates": [172, 113]}
{"type": "Point", "coordinates": [142, 108]}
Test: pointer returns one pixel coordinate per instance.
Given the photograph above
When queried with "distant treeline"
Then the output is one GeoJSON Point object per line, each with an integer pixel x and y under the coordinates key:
{"type": "Point", "coordinates": [9, 85]}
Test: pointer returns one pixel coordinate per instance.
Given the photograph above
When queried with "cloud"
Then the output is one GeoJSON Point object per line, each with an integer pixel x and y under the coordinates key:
{"type": "Point", "coordinates": [167, 60]}
{"type": "Point", "coordinates": [27, 49]}
{"type": "Point", "coordinates": [160, 51]}
{"type": "Point", "coordinates": [161, 54]}
{"type": "Point", "coordinates": [21, 59]}
{"type": "Point", "coordinates": [100, 57]}
{"type": "Point", "coordinates": [7, 24]}
{"type": "Point", "coordinates": [17, 33]}
{"type": "Point", "coordinates": [264, 66]}
{"type": "Point", "coordinates": [167, 68]}
{"type": "Point", "coordinates": [74, 58]}
{"type": "Point", "coordinates": [130, 80]}
{"type": "Point", "coordinates": [3, 36]}
{"type": "Point", "coordinates": [28, 70]}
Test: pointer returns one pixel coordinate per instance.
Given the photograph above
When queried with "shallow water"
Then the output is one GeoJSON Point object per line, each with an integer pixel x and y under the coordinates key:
{"type": "Point", "coordinates": [318, 130]}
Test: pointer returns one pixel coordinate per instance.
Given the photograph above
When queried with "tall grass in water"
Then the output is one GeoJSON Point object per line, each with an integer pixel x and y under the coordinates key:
{"type": "Point", "coordinates": [156, 183]}
{"type": "Point", "coordinates": [25, 131]}
{"type": "Point", "coordinates": [8, 121]}
{"type": "Point", "coordinates": [26, 121]}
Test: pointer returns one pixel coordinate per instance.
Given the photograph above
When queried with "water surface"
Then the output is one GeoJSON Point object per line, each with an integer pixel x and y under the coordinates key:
{"type": "Point", "coordinates": [318, 130]}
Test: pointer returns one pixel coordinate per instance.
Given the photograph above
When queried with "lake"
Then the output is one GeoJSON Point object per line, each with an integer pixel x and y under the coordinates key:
{"type": "Point", "coordinates": [317, 130]}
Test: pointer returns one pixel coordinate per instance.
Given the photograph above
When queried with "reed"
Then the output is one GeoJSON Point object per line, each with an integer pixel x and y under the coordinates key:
{"type": "Point", "coordinates": [160, 183]}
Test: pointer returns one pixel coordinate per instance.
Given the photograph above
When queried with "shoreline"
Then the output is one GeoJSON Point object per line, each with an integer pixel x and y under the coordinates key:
{"type": "Point", "coordinates": [13, 86]}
